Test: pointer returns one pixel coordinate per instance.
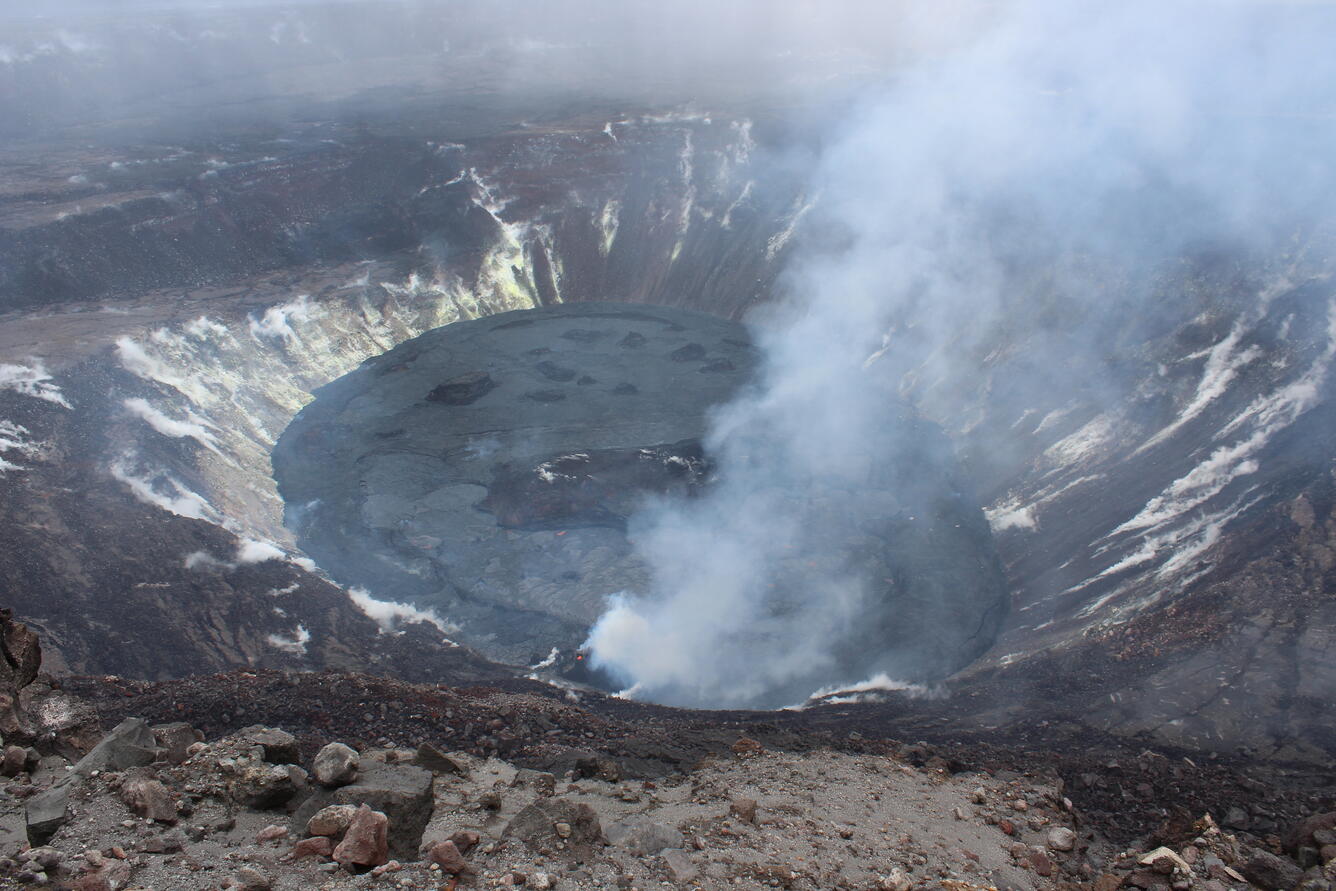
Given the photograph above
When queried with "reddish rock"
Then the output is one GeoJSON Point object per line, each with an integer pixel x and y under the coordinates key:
{"type": "Point", "coordinates": [746, 747]}
{"type": "Point", "coordinates": [466, 840]}
{"type": "Point", "coordinates": [366, 843]}
{"type": "Point", "coordinates": [446, 855]}
{"type": "Point", "coordinates": [744, 809]}
{"type": "Point", "coordinates": [14, 760]}
{"type": "Point", "coordinates": [1041, 863]}
{"type": "Point", "coordinates": [1302, 835]}
{"type": "Point", "coordinates": [271, 833]}
{"type": "Point", "coordinates": [1007, 826]}
{"type": "Point", "coordinates": [320, 846]}
{"type": "Point", "coordinates": [1147, 879]}
{"type": "Point", "coordinates": [1107, 882]}
{"type": "Point", "coordinates": [108, 877]}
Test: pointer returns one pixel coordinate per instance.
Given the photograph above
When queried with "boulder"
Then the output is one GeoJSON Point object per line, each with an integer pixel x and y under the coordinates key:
{"type": "Point", "coordinates": [148, 798]}
{"type": "Point", "coordinates": [46, 812]}
{"type": "Point", "coordinates": [1305, 834]}
{"type": "Point", "coordinates": [1061, 839]}
{"type": "Point", "coordinates": [400, 791]}
{"type": "Point", "coordinates": [272, 832]}
{"type": "Point", "coordinates": [175, 740]}
{"type": "Point", "coordinates": [433, 759]}
{"type": "Point", "coordinates": [896, 880]}
{"type": "Point", "coordinates": [264, 786]}
{"type": "Point", "coordinates": [335, 765]}
{"type": "Point", "coordinates": [129, 744]}
{"type": "Point", "coordinates": [598, 767]}
{"type": "Point", "coordinates": [536, 824]}
{"type": "Point", "coordinates": [641, 835]}
{"type": "Point", "coordinates": [248, 878]}
{"type": "Point", "coordinates": [319, 846]}
{"type": "Point", "coordinates": [331, 821]}
{"type": "Point", "coordinates": [744, 809]}
{"type": "Point", "coordinates": [14, 760]}
{"type": "Point", "coordinates": [366, 842]}
{"type": "Point", "coordinates": [280, 747]}
{"type": "Point", "coordinates": [447, 856]}
{"type": "Point", "coordinates": [679, 866]}
{"type": "Point", "coordinates": [1266, 870]}
{"type": "Point", "coordinates": [466, 840]}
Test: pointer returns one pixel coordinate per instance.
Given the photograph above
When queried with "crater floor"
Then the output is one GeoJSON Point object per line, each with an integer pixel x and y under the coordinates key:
{"type": "Point", "coordinates": [488, 470]}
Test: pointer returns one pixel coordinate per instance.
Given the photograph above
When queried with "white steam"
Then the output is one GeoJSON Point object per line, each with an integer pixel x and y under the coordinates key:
{"type": "Point", "coordinates": [1064, 138]}
{"type": "Point", "coordinates": [389, 614]}
{"type": "Point", "coordinates": [31, 380]}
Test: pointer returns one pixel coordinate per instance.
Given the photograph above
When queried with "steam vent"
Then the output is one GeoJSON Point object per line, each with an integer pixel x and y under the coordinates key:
{"type": "Point", "coordinates": [487, 470]}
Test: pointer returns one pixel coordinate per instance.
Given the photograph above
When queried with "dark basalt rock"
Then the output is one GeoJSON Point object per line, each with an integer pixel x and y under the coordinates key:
{"type": "Point", "coordinates": [689, 353]}
{"type": "Point", "coordinates": [554, 372]}
{"type": "Point", "coordinates": [463, 390]}
{"type": "Point", "coordinates": [22, 654]}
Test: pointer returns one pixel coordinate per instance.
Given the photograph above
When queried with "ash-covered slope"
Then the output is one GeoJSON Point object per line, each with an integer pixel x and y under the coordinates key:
{"type": "Point", "coordinates": [146, 532]}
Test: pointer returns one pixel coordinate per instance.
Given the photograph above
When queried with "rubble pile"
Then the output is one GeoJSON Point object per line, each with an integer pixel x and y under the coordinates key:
{"type": "Point", "coordinates": [160, 807]}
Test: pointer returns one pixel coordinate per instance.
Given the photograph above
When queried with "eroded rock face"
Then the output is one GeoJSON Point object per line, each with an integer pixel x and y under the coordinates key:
{"type": "Point", "coordinates": [489, 470]}
{"type": "Point", "coordinates": [22, 658]}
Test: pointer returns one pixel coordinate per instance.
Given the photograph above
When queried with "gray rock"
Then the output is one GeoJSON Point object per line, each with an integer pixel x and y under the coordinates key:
{"type": "Point", "coordinates": [401, 792]}
{"type": "Point", "coordinates": [1237, 818]}
{"type": "Point", "coordinates": [1061, 839]}
{"type": "Point", "coordinates": [130, 744]}
{"type": "Point", "coordinates": [46, 812]}
{"type": "Point", "coordinates": [536, 824]}
{"type": "Point", "coordinates": [149, 798]}
{"type": "Point", "coordinates": [280, 747]}
{"type": "Point", "coordinates": [1268, 871]}
{"type": "Point", "coordinates": [641, 835]}
{"type": "Point", "coordinates": [680, 868]}
{"type": "Point", "coordinates": [264, 786]}
{"type": "Point", "coordinates": [433, 759]}
{"type": "Point", "coordinates": [248, 878]}
{"type": "Point", "coordinates": [335, 765]}
{"type": "Point", "coordinates": [598, 767]}
{"type": "Point", "coordinates": [175, 740]}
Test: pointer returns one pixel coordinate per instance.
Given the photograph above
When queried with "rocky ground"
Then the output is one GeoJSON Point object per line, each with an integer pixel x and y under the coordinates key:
{"type": "Point", "coordinates": [328, 780]}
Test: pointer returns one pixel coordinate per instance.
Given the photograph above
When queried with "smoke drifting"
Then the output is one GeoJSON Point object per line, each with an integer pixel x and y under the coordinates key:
{"type": "Point", "coordinates": [177, 69]}
{"type": "Point", "coordinates": [992, 197]}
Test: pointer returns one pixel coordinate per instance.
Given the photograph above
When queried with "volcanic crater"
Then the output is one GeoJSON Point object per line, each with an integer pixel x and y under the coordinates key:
{"type": "Point", "coordinates": [493, 470]}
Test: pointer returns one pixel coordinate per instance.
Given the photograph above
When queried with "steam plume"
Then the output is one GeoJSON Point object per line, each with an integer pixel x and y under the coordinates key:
{"type": "Point", "coordinates": [979, 199]}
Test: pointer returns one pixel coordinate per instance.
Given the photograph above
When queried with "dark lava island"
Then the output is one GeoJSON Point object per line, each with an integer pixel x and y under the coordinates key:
{"type": "Point", "coordinates": [487, 470]}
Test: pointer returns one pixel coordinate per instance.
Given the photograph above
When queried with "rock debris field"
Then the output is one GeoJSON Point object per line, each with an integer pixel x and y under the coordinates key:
{"type": "Point", "coordinates": [537, 791]}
